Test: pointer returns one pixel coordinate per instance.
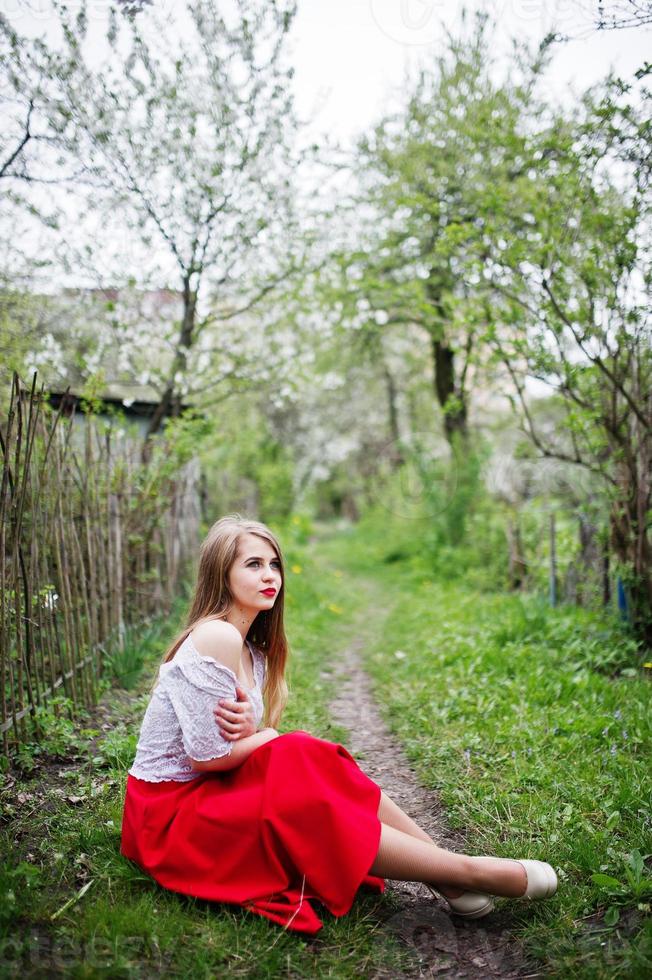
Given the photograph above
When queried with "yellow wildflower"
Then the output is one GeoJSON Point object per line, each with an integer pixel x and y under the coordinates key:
{"type": "Point", "coordinates": [296, 569]}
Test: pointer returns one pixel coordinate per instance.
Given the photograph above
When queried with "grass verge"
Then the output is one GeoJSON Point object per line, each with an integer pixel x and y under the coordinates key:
{"type": "Point", "coordinates": [71, 906]}
{"type": "Point", "coordinates": [536, 733]}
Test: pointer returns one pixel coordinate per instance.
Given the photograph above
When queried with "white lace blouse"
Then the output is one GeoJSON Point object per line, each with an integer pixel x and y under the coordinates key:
{"type": "Point", "coordinates": [179, 723]}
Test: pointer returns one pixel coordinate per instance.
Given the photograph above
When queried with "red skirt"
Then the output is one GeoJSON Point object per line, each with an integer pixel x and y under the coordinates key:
{"type": "Point", "coordinates": [298, 820]}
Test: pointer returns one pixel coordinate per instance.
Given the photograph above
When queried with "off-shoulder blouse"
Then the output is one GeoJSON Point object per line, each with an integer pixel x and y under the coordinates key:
{"type": "Point", "coordinates": [179, 723]}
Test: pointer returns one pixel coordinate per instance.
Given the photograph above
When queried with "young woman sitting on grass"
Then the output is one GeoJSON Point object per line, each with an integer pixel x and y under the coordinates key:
{"type": "Point", "coordinates": [222, 809]}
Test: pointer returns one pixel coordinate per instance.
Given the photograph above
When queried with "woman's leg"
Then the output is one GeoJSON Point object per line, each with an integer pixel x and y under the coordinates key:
{"type": "Point", "coordinates": [406, 858]}
{"type": "Point", "coordinates": [392, 815]}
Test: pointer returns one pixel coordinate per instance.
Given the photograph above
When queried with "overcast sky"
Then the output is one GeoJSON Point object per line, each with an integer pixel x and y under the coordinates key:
{"type": "Point", "coordinates": [350, 55]}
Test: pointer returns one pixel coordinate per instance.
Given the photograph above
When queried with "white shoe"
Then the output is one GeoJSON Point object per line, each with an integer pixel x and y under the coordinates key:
{"type": "Point", "coordinates": [468, 905]}
{"type": "Point", "coordinates": [541, 878]}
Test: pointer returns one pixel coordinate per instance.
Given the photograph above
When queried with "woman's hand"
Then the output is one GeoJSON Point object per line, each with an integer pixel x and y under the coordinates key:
{"type": "Point", "coordinates": [236, 718]}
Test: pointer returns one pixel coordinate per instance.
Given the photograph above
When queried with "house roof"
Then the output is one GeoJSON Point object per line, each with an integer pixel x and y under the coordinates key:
{"type": "Point", "coordinates": [131, 405]}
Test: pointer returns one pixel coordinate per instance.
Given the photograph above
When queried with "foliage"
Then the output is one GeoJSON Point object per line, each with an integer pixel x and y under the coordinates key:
{"type": "Point", "coordinates": [207, 204]}
{"type": "Point", "coordinates": [488, 245]}
{"type": "Point", "coordinates": [419, 175]}
{"type": "Point", "coordinates": [451, 490]}
{"type": "Point", "coordinates": [62, 832]}
{"type": "Point", "coordinates": [515, 235]}
{"type": "Point", "coordinates": [567, 306]}
{"type": "Point", "coordinates": [637, 885]}
{"type": "Point", "coordinates": [246, 467]}
{"type": "Point", "coordinates": [533, 726]}
{"type": "Point", "coordinates": [614, 15]}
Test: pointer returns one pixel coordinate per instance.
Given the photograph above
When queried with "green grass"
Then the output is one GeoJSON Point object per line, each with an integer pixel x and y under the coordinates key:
{"type": "Point", "coordinates": [60, 832]}
{"type": "Point", "coordinates": [535, 728]}
{"type": "Point", "coordinates": [533, 725]}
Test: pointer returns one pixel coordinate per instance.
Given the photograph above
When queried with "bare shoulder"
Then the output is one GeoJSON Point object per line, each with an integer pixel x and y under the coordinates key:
{"type": "Point", "coordinates": [215, 638]}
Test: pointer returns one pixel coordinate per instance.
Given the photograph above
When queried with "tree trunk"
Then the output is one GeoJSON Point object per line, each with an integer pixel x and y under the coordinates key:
{"type": "Point", "coordinates": [451, 399]}
{"type": "Point", "coordinates": [171, 399]}
{"type": "Point", "coordinates": [449, 392]}
{"type": "Point", "coordinates": [517, 563]}
{"type": "Point", "coordinates": [631, 545]}
{"type": "Point", "coordinates": [396, 457]}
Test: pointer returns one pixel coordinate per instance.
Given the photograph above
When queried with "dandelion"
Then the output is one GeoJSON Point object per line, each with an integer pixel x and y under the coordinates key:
{"type": "Point", "coordinates": [400, 655]}
{"type": "Point", "coordinates": [296, 569]}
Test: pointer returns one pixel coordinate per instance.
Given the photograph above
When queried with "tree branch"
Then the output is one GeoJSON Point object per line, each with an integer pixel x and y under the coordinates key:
{"type": "Point", "coordinates": [268, 287]}
{"type": "Point", "coordinates": [530, 430]}
{"type": "Point", "coordinates": [595, 358]}
{"type": "Point", "coordinates": [19, 149]}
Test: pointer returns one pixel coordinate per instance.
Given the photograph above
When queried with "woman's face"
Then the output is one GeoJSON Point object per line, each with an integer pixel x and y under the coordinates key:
{"type": "Point", "coordinates": [255, 576]}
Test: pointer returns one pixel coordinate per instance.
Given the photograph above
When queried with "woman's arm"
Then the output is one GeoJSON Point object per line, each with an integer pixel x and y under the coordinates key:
{"type": "Point", "coordinates": [236, 719]}
{"type": "Point", "coordinates": [241, 750]}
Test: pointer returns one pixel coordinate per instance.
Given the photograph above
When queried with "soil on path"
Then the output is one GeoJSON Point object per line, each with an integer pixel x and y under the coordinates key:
{"type": "Point", "coordinates": [444, 945]}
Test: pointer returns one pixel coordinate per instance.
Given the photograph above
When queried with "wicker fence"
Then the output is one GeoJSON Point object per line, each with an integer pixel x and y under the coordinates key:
{"type": "Point", "coordinates": [91, 542]}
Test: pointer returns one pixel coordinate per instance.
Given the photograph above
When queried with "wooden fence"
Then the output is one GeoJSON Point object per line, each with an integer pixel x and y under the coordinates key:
{"type": "Point", "coordinates": [92, 541]}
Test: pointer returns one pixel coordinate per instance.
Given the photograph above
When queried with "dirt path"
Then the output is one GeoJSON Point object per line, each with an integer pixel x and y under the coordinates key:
{"type": "Point", "coordinates": [444, 945]}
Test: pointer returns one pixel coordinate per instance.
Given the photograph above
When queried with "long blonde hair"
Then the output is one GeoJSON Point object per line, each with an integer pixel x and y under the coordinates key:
{"type": "Point", "coordinates": [212, 600]}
